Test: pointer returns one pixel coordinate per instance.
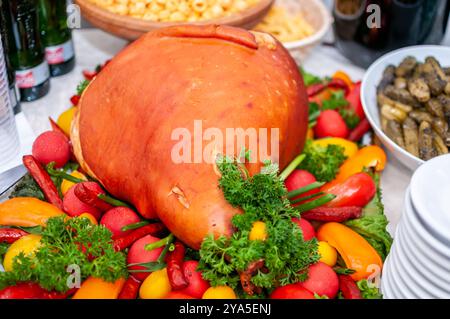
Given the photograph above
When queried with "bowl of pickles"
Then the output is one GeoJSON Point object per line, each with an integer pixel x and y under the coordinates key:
{"type": "Point", "coordinates": [406, 98]}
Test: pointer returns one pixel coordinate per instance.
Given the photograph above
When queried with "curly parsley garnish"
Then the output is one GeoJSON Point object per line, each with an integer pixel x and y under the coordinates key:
{"type": "Point", "coordinates": [67, 242]}
{"type": "Point", "coordinates": [286, 255]}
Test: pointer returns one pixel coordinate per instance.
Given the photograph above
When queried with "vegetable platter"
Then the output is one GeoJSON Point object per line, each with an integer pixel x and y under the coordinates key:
{"type": "Point", "coordinates": [311, 228]}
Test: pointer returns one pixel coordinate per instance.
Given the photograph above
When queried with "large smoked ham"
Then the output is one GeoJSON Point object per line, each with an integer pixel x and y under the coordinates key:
{"type": "Point", "coordinates": [170, 79]}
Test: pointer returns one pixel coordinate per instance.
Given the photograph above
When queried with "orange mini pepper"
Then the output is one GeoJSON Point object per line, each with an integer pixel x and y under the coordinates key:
{"type": "Point", "coordinates": [356, 252]}
{"type": "Point", "coordinates": [344, 77]}
{"type": "Point", "coordinates": [96, 288]}
{"type": "Point", "coordinates": [368, 156]}
{"type": "Point", "coordinates": [27, 212]}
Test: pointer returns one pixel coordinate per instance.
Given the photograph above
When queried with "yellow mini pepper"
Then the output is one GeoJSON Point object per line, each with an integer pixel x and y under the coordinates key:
{"type": "Point", "coordinates": [356, 252]}
{"type": "Point", "coordinates": [27, 212]}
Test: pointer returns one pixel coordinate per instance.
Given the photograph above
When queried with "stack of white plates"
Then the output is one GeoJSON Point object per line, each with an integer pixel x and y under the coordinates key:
{"type": "Point", "coordinates": [418, 265]}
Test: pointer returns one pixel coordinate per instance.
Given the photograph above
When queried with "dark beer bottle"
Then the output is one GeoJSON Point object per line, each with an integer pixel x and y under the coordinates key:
{"type": "Point", "coordinates": [13, 92]}
{"type": "Point", "coordinates": [26, 52]}
{"type": "Point", "coordinates": [57, 36]}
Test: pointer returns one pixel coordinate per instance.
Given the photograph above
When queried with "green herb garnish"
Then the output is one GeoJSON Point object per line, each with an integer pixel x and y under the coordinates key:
{"type": "Point", "coordinates": [82, 86]}
{"type": "Point", "coordinates": [323, 162]}
{"type": "Point", "coordinates": [68, 242]}
{"type": "Point", "coordinates": [286, 255]}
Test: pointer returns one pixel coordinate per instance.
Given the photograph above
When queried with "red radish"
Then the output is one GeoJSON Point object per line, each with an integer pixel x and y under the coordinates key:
{"type": "Point", "coordinates": [50, 147]}
{"type": "Point", "coordinates": [197, 285]}
{"type": "Point", "coordinates": [306, 227]}
{"type": "Point", "coordinates": [354, 100]}
{"type": "Point", "coordinates": [322, 280]}
{"type": "Point", "coordinates": [292, 291]}
{"type": "Point", "coordinates": [115, 219]}
{"type": "Point", "coordinates": [138, 254]}
{"type": "Point", "coordinates": [330, 124]}
{"type": "Point", "coordinates": [75, 207]}
{"type": "Point", "coordinates": [177, 295]}
{"type": "Point", "coordinates": [300, 178]}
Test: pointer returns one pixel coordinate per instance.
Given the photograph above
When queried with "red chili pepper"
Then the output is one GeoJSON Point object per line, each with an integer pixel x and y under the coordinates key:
{"type": "Point", "coordinates": [315, 89]}
{"type": "Point", "coordinates": [338, 84]}
{"type": "Point", "coordinates": [175, 260]}
{"type": "Point", "coordinates": [126, 241]}
{"type": "Point", "coordinates": [89, 195]}
{"type": "Point", "coordinates": [43, 180]}
{"type": "Point", "coordinates": [29, 290]}
{"type": "Point", "coordinates": [358, 132]}
{"type": "Point", "coordinates": [75, 99]}
{"type": "Point", "coordinates": [56, 128]}
{"type": "Point", "coordinates": [130, 288]}
{"type": "Point", "coordinates": [357, 190]}
{"type": "Point", "coordinates": [89, 75]}
{"type": "Point", "coordinates": [354, 100]}
{"type": "Point", "coordinates": [333, 214]}
{"type": "Point", "coordinates": [10, 235]}
{"type": "Point", "coordinates": [349, 288]}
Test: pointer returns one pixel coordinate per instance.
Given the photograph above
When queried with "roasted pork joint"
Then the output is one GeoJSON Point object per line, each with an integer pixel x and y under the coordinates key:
{"type": "Point", "coordinates": [170, 79]}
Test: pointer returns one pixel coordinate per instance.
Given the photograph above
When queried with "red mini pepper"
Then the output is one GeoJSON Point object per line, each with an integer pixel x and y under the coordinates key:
{"type": "Point", "coordinates": [130, 289]}
{"type": "Point", "coordinates": [349, 288]}
{"type": "Point", "coordinates": [175, 260]}
{"type": "Point", "coordinates": [338, 84]}
{"type": "Point", "coordinates": [358, 132]}
{"type": "Point", "coordinates": [357, 190]}
{"type": "Point", "coordinates": [89, 195]}
{"type": "Point", "coordinates": [126, 241]}
{"type": "Point", "coordinates": [29, 290]}
{"type": "Point", "coordinates": [89, 75]}
{"type": "Point", "coordinates": [333, 214]}
{"type": "Point", "coordinates": [10, 235]}
{"type": "Point", "coordinates": [43, 180]}
{"type": "Point", "coordinates": [354, 99]}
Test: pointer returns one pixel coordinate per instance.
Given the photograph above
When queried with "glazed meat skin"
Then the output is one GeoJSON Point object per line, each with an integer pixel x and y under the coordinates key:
{"type": "Point", "coordinates": [170, 79]}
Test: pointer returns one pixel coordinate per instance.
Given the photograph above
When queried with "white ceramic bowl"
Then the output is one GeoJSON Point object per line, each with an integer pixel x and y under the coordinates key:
{"type": "Point", "coordinates": [369, 94]}
{"type": "Point", "coordinates": [315, 13]}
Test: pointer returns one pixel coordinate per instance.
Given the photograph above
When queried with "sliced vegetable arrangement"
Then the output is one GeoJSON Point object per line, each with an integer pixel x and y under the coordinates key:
{"type": "Point", "coordinates": [315, 230]}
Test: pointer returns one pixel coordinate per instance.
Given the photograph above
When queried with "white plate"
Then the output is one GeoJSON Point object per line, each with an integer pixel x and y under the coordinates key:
{"type": "Point", "coordinates": [420, 280]}
{"type": "Point", "coordinates": [423, 239]}
{"type": "Point", "coordinates": [371, 81]}
{"type": "Point", "coordinates": [430, 195]}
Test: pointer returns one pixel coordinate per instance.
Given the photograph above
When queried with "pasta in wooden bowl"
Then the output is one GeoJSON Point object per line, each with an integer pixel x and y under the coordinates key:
{"type": "Point", "coordinates": [130, 19]}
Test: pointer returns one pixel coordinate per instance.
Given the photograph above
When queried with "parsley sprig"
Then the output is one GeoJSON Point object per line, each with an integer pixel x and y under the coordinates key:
{"type": "Point", "coordinates": [67, 242]}
{"type": "Point", "coordinates": [286, 255]}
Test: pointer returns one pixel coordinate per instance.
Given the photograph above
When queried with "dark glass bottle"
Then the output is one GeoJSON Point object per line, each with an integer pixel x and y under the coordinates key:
{"type": "Point", "coordinates": [27, 54]}
{"type": "Point", "coordinates": [367, 29]}
{"type": "Point", "coordinates": [57, 36]}
{"type": "Point", "coordinates": [13, 91]}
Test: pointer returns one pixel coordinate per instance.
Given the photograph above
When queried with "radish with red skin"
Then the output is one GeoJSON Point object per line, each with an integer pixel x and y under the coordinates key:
{"type": "Point", "coordinates": [197, 285]}
{"type": "Point", "coordinates": [306, 227]}
{"type": "Point", "coordinates": [138, 254]}
{"type": "Point", "coordinates": [300, 178]}
{"type": "Point", "coordinates": [330, 124]}
{"type": "Point", "coordinates": [50, 147]}
{"type": "Point", "coordinates": [73, 206]}
{"type": "Point", "coordinates": [292, 291]}
{"type": "Point", "coordinates": [117, 218]}
{"type": "Point", "coordinates": [322, 280]}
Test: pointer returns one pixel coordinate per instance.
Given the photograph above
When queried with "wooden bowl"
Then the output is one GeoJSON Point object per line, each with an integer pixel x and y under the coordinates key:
{"type": "Point", "coordinates": [131, 28]}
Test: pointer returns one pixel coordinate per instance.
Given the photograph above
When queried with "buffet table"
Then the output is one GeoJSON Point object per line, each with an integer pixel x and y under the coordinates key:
{"type": "Point", "coordinates": [93, 47]}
